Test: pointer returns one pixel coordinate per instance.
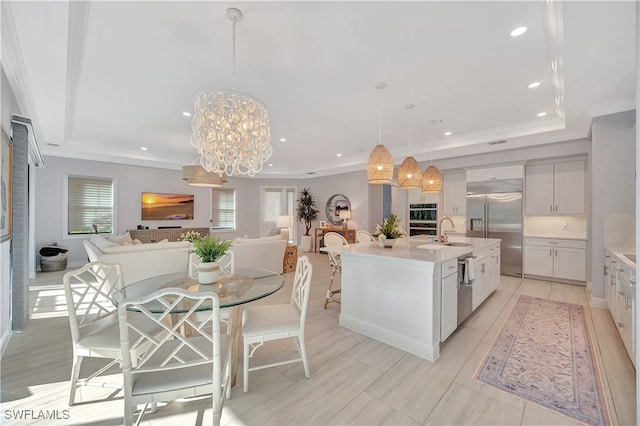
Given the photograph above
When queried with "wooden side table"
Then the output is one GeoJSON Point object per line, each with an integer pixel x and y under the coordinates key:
{"type": "Point", "coordinates": [349, 235]}
{"type": "Point", "coordinates": [290, 259]}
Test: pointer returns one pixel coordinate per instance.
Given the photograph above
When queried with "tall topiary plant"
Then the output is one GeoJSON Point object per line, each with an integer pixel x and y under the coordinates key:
{"type": "Point", "coordinates": [306, 210]}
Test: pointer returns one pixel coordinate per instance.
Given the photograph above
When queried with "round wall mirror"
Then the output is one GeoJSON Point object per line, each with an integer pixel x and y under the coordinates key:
{"type": "Point", "coordinates": [336, 204]}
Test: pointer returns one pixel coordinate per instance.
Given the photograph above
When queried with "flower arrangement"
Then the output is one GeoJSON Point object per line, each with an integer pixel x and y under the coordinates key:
{"type": "Point", "coordinates": [210, 248]}
{"type": "Point", "coordinates": [390, 229]}
{"type": "Point", "coordinates": [190, 236]}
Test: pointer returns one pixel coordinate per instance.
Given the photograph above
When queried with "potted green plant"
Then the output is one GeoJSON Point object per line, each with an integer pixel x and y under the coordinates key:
{"type": "Point", "coordinates": [390, 231]}
{"type": "Point", "coordinates": [209, 249]}
{"type": "Point", "coordinates": [306, 212]}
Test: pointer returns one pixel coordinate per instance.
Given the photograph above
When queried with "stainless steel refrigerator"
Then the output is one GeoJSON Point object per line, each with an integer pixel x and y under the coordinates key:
{"type": "Point", "coordinates": [494, 210]}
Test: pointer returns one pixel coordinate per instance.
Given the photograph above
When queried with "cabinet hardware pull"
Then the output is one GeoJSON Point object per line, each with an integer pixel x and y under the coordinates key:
{"type": "Point", "coordinates": [556, 207]}
{"type": "Point", "coordinates": [621, 325]}
{"type": "Point", "coordinates": [551, 208]}
{"type": "Point", "coordinates": [550, 252]}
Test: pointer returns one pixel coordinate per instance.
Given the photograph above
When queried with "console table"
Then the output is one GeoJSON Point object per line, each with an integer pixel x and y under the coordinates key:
{"type": "Point", "coordinates": [348, 234]}
{"type": "Point", "coordinates": [172, 234]}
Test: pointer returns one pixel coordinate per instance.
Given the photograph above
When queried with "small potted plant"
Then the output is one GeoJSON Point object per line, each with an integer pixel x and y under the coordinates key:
{"type": "Point", "coordinates": [209, 249]}
{"type": "Point", "coordinates": [306, 212]}
{"type": "Point", "coordinates": [390, 231]}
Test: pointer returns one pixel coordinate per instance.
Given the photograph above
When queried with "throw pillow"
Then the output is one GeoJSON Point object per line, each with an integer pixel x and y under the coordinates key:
{"type": "Point", "coordinates": [101, 242]}
{"type": "Point", "coordinates": [136, 242]}
{"type": "Point", "coordinates": [124, 239]}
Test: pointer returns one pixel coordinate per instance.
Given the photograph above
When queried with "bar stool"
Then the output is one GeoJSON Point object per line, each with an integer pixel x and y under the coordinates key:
{"type": "Point", "coordinates": [333, 239]}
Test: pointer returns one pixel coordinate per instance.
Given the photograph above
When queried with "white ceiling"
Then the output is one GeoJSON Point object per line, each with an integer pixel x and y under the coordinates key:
{"type": "Point", "coordinates": [102, 79]}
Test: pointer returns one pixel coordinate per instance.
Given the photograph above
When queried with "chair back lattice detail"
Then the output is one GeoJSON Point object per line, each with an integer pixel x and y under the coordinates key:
{"type": "Point", "coordinates": [184, 352]}
{"type": "Point", "coordinates": [92, 289]}
{"type": "Point", "coordinates": [301, 287]}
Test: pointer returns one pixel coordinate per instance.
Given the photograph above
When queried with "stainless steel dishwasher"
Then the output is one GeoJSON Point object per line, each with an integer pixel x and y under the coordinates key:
{"type": "Point", "coordinates": [465, 287]}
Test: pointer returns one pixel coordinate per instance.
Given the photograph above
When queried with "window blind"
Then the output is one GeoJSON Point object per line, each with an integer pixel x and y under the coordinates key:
{"type": "Point", "coordinates": [223, 214]}
{"type": "Point", "coordinates": [90, 201]}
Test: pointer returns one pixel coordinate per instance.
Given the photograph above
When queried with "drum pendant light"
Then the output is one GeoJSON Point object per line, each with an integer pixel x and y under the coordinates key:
{"type": "Point", "coordinates": [409, 173]}
{"type": "Point", "coordinates": [380, 165]}
{"type": "Point", "coordinates": [432, 178]}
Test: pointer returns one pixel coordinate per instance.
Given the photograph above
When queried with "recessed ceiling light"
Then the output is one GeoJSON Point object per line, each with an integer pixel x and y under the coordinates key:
{"type": "Point", "coordinates": [144, 148]}
{"type": "Point", "coordinates": [518, 31]}
{"type": "Point", "coordinates": [534, 85]}
{"type": "Point", "coordinates": [447, 133]}
{"type": "Point", "coordinates": [338, 155]}
{"type": "Point", "coordinates": [283, 139]}
{"type": "Point", "coordinates": [270, 164]}
{"type": "Point", "coordinates": [541, 114]}
{"type": "Point", "coordinates": [186, 114]}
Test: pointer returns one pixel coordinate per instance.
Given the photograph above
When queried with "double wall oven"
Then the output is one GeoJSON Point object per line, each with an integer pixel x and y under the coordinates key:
{"type": "Point", "coordinates": [423, 219]}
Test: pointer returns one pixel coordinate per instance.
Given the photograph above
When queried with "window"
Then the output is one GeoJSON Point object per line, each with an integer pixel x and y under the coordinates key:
{"type": "Point", "coordinates": [223, 209]}
{"type": "Point", "coordinates": [89, 205]}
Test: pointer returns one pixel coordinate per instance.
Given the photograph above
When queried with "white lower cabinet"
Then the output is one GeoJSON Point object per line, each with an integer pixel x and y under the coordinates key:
{"type": "Point", "coordinates": [620, 289]}
{"type": "Point", "coordinates": [449, 298]}
{"type": "Point", "coordinates": [482, 286]}
{"type": "Point", "coordinates": [555, 258]}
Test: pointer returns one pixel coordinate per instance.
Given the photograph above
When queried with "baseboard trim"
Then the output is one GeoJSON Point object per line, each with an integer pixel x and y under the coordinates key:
{"type": "Point", "coordinates": [598, 302]}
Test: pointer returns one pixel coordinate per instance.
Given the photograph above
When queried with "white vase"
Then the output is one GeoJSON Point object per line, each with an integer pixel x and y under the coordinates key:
{"type": "Point", "coordinates": [389, 242]}
{"type": "Point", "coordinates": [306, 243]}
{"type": "Point", "coordinates": [208, 272]}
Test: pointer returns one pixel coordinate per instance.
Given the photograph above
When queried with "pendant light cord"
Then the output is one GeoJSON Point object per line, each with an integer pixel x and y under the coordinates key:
{"type": "Point", "coordinates": [233, 57]}
{"type": "Point", "coordinates": [380, 115]}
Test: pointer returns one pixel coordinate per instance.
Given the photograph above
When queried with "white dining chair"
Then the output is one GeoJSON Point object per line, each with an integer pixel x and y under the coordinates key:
{"type": "Point", "coordinates": [174, 366]}
{"type": "Point", "coordinates": [363, 236]}
{"type": "Point", "coordinates": [263, 323]}
{"type": "Point", "coordinates": [333, 239]}
{"type": "Point", "coordinates": [89, 293]}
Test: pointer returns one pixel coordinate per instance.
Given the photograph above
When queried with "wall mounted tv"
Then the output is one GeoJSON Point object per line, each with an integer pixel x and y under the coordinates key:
{"type": "Point", "coordinates": [159, 206]}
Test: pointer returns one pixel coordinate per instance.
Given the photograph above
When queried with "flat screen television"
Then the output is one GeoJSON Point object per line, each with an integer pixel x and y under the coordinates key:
{"type": "Point", "coordinates": [159, 206]}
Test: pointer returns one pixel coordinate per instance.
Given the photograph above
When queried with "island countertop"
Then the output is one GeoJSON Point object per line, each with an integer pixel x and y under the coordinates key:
{"type": "Point", "coordinates": [417, 248]}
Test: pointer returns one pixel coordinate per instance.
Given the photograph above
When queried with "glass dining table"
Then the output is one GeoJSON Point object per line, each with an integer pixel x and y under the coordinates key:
{"type": "Point", "coordinates": [244, 285]}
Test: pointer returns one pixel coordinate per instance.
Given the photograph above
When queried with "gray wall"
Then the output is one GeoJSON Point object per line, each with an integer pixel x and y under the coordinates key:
{"type": "Point", "coordinates": [9, 106]}
{"type": "Point", "coordinates": [613, 182]}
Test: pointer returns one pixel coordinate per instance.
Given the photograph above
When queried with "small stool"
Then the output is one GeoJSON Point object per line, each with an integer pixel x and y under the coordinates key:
{"type": "Point", "coordinates": [290, 259]}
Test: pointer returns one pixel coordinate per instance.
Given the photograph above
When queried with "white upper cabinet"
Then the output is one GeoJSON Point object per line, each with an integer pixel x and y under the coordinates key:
{"type": "Point", "coordinates": [557, 188]}
{"type": "Point", "coordinates": [416, 196]}
{"type": "Point", "coordinates": [454, 194]}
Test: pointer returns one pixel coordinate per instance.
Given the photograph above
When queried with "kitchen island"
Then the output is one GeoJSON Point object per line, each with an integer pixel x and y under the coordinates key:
{"type": "Point", "coordinates": [406, 296]}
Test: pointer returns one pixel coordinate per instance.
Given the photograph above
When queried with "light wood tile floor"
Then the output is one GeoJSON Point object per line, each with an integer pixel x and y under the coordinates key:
{"type": "Point", "coordinates": [354, 379]}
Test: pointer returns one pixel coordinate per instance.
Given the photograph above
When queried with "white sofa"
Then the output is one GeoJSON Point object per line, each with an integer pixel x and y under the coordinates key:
{"type": "Point", "coordinates": [262, 253]}
{"type": "Point", "coordinates": [141, 261]}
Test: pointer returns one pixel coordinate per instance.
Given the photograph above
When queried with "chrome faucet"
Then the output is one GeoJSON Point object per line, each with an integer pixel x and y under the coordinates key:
{"type": "Point", "coordinates": [441, 228]}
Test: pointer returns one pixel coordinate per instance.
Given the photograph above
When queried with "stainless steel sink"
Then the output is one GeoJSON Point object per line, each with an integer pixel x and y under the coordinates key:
{"type": "Point", "coordinates": [631, 257]}
{"type": "Point", "coordinates": [454, 244]}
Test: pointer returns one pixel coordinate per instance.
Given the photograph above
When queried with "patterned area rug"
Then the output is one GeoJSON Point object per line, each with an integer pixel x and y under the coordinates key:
{"type": "Point", "coordinates": [544, 354]}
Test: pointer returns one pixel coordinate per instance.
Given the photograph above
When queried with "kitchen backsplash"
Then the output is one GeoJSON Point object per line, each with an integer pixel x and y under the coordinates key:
{"type": "Point", "coordinates": [619, 230]}
{"type": "Point", "coordinates": [556, 226]}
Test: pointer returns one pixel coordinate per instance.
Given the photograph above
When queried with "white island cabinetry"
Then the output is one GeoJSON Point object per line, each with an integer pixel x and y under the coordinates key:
{"type": "Point", "coordinates": [449, 304]}
{"type": "Point", "coordinates": [406, 296]}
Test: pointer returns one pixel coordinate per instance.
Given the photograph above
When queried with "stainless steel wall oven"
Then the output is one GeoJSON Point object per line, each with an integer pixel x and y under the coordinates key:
{"type": "Point", "coordinates": [423, 219]}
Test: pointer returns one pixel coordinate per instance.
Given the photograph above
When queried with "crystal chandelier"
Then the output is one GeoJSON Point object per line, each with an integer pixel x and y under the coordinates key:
{"type": "Point", "coordinates": [432, 178]}
{"type": "Point", "coordinates": [230, 130]}
{"type": "Point", "coordinates": [409, 174]}
{"type": "Point", "coordinates": [380, 165]}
